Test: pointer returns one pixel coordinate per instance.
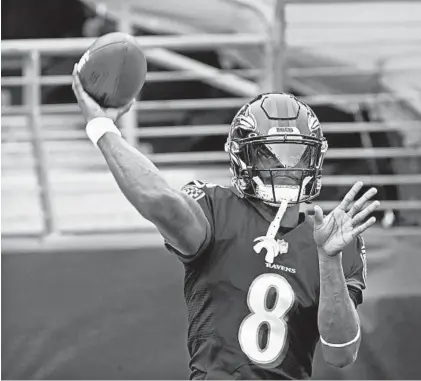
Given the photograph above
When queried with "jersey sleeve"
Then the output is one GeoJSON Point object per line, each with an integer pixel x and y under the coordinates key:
{"type": "Point", "coordinates": [355, 269]}
{"type": "Point", "coordinates": [202, 194]}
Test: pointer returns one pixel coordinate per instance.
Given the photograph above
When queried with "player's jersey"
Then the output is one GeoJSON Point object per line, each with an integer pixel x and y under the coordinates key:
{"type": "Point", "coordinates": [252, 303]}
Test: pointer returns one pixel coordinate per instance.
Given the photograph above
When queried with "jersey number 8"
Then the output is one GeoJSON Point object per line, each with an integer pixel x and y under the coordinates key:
{"type": "Point", "coordinates": [248, 334]}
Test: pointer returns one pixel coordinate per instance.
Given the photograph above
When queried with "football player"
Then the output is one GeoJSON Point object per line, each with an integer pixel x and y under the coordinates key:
{"type": "Point", "coordinates": [263, 282]}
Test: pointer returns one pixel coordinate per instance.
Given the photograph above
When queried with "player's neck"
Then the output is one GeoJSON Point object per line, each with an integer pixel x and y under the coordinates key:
{"type": "Point", "coordinates": [291, 216]}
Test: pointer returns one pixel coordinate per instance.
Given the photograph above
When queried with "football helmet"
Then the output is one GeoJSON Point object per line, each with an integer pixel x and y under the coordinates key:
{"type": "Point", "coordinates": [276, 149]}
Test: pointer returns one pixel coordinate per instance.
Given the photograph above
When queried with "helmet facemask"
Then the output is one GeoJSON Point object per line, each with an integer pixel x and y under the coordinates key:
{"type": "Point", "coordinates": [276, 168]}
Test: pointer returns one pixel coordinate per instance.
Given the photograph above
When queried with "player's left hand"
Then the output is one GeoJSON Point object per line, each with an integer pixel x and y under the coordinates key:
{"type": "Point", "coordinates": [90, 109]}
{"type": "Point", "coordinates": [335, 231]}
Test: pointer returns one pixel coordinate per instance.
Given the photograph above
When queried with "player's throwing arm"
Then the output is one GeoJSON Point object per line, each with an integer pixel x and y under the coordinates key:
{"type": "Point", "coordinates": [178, 217]}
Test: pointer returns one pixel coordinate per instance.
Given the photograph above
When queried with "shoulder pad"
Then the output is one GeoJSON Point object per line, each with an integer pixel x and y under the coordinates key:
{"type": "Point", "coordinates": [201, 184]}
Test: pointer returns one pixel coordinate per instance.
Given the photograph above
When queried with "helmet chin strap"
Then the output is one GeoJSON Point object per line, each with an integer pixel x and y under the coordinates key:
{"type": "Point", "coordinates": [269, 241]}
{"type": "Point", "coordinates": [276, 223]}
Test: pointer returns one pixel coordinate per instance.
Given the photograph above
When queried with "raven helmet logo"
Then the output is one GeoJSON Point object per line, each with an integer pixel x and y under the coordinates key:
{"type": "Point", "coordinates": [313, 121]}
{"type": "Point", "coordinates": [245, 119]}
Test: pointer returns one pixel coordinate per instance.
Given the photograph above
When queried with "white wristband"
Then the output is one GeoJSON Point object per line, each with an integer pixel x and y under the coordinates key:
{"type": "Point", "coordinates": [97, 127]}
{"type": "Point", "coordinates": [342, 345]}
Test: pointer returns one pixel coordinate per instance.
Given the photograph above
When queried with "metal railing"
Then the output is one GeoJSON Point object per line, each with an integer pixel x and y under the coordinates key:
{"type": "Point", "coordinates": [38, 116]}
{"type": "Point", "coordinates": [31, 81]}
{"type": "Point", "coordinates": [16, 133]}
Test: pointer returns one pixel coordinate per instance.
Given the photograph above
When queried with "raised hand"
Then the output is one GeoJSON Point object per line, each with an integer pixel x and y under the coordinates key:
{"type": "Point", "coordinates": [335, 231]}
{"type": "Point", "coordinates": [92, 109]}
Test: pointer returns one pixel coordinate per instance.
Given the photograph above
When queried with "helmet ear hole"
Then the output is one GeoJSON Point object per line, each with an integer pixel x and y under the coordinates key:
{"type": "Point", "coordinates": [235, 147]}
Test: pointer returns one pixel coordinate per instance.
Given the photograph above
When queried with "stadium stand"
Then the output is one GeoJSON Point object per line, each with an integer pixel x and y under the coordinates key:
{"type": "Point", "coordinates": [338, 74]}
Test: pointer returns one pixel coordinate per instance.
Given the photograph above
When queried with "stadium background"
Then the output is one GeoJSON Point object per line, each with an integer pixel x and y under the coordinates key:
{"type": "Point", "coordinates": [88, 292]}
